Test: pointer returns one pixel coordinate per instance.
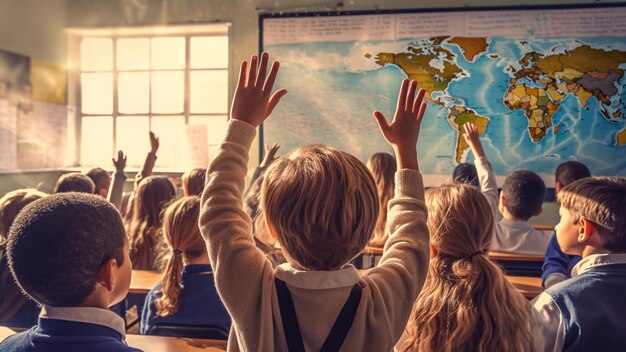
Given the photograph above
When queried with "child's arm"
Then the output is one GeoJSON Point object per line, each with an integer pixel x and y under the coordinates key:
{"type": "Point", "coordinates": [117, 186]}
{"type": "Point", "coordinates": [486, 177]}
{"type": "Point", "coordinates": [400, 275]}
{"type": "Point", "coordinates": [241, 270]}
{"type": "Point", "coordinates": [148, 164]}
{"type": "Point", "coordinates": [251, 196]}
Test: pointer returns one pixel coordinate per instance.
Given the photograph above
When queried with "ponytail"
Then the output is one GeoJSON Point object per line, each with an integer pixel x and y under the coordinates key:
{"type": "Point", "coordinates": [168, 303]}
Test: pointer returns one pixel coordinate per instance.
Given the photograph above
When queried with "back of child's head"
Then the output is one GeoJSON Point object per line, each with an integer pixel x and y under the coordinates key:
{"type": "Point", "coordinates": [74, 182]}
{"type": "Point", "coordinates": [193, 182]}
{"type": "Point", "coordinates": [12, 203]}
{"type": "Point", "coordinates": [151, 196]}
{"type": "Point", "coordinates": [463, 293]}
{"type": "Point", "coordinates": [571, 171]}
{"type": "Point", "coordinates": [602, 200]}
{"type": "Point", "coordinates": [524, 192]}
{"type": "Point", "coordinates": [383, 168]}
{"type": "Point", "coordinates": [322, 205]}
{"type": "Point", "coordinates": [101, 179]}
{"type": "Point", "coordinates": [57, 245]}
{"type": "Point", "coordinates": [182, 236]}
{"type": "Point", "coordinates": [465, 173]}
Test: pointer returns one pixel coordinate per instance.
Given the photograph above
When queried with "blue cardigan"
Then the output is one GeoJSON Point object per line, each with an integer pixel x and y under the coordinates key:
{"type": "Point", "coordinates": [53, 335]}
{"type": "Point", "coordinates": [199, 302]}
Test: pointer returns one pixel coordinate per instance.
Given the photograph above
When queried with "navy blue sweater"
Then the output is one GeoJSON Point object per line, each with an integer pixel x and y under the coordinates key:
{"type": "Point", "coordinates": [200, 305]}
{"type": "Point", "coordinates": [53, 335]}
{"type": "Point", "coordinates": [555, 261]}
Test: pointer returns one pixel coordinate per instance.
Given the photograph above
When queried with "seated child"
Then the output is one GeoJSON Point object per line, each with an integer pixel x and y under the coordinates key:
{"type": "Point", "coordinates": [16, 309]}
{"type": "Point", "coordinates": [74, 182]}
{"type": "Point", "coordinates": [383, 168]}
{"type": "Point", "coordinates": [186, 295]}
{"type": "Point", "coordinates": [461, 307]}
{"type": "Point", "coordinates": [557, 265]}
{"type": "Point", "coordinates": [521, 198]}
{"type": "Point", "coordinates": [465, 173]}
{"type": "Point", "coordinates": [484, 176]}
{"type": "Point", "coordinates": [193, 182]}
{"type": "Point", "coordinates": [146, 244]}
{"type": "Point", "coordinates": [322, 205]}
{"type": "Point", "coordinates": [101, 179]}
{"type": "Point", "coordinates": [588, 311]}
{"type": "Point", "coordinates": [69, 253]}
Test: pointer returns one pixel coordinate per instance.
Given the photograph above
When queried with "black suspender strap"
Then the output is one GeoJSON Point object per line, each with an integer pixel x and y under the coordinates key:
{"type": "Point", "coordinates": [288, 315]}
{"type": "Point", "coordinates": [340, 328]}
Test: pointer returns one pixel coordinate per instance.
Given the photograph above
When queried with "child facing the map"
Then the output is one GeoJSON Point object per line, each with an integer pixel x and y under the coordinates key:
{"type": "Point", "coordinates": [322, 206]}
{"type": "Point", "coordinates": [521, 198]}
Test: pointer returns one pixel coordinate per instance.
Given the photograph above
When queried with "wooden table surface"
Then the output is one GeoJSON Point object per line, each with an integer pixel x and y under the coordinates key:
{"type": "Point", "coordinates": [515, 257]}
{"type": "Point", "coordinates": [158, 343]}
{"type": "Point", "coordinates": [143, 281]}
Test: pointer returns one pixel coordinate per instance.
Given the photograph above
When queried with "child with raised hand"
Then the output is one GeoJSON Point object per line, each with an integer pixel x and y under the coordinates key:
{"type": "Point", "coordinates": [186, 295]}
{"type": "Point", "coordinates": [383, 168]}
{"type": "Point", "coordinates": [466, 304]}
{"type": "Point", "coordinates": [16, 309]}
{"type": "Point", "coordinates": [484, 171]}
{"type": "Point", "coordinates": [146, 244]}
{"type": "Point", "coordinates": [297, 306]}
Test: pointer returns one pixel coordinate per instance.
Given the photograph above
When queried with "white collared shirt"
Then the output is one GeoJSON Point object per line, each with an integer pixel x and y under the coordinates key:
{"type": "Point", "coordinates": [89, 315]}
{"type": "Point", "coordinates": [550, 334]}
{"type": "Point", "coordinates": [516, 236]}
{"type": "Point", "coordinates": [347, 276]}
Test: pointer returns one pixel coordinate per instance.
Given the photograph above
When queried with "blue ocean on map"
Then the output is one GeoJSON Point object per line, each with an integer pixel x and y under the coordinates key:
{"type": "Point", "coordinates": [335, 87]}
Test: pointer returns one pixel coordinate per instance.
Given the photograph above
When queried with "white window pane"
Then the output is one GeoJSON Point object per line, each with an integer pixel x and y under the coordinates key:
{"type": "Point", "coordinates": [96, 54]}
{"type": "Point", "coordinates": [134, 92]}
{"type": "Point", "coordinates": [209, 52]}
{"type": "Point", "coordinates": [133, 54]}
{"type": "Point", "coordinates": [132, 138]}
{"type": "Point", "coordinates": [97, 93]}
{"type": "Point", "coordinates": [209, 92]}
{"type": "Point", "coordinates": [171, 132]}
{"type": "Point", "coordinates": [168, 53]}
{"type": "Point", "coordinates": [168, 92]}
{"type": "Point", "coordinates": [96, 145]}
{"type": "Point", "coordinates": [216, 127]}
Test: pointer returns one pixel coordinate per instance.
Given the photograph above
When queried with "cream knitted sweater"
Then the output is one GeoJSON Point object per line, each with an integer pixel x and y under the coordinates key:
{"type": "Point", "coordinates": [245, 278]}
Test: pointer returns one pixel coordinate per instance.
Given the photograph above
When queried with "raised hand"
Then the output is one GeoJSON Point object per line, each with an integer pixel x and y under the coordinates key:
{"type": "Point", "coordinates": [269, 154]}
{"type": "Point", "coordinates": [253, 101]}
{"type": "Point", "coordinates": [472, 138]}
{"type": "Point", "coordinates": [120, 163]}
{"type": "Point", "coordinates": [403, 132]}
{"type": "Point", "coordinates": [154, 143]}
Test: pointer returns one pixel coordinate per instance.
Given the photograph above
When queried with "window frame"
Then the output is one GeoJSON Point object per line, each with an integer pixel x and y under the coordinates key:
{"type": "Point", "coordinates": [75, 71]}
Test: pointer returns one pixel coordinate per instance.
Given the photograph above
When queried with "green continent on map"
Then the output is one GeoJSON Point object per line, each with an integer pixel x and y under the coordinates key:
{"type": "Point", "coordinates": [621, 138]}
{"type": "Point", "coordinates": [583, 72]}
{"type": "Point", "coordinates": [459, 116]}
{"type": "Point", "coordinates": [416, 64]}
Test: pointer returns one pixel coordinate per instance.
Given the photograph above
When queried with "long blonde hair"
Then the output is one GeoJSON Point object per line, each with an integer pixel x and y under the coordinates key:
{"type": "Point", "coordinates": [383, 168]}
{"type": "Point", "coordinates": [151, 196]}
{"type": "Point", "coordinates": [182, 235]}
{"type": "Point", "coordinates": [466, 303]}
{"type": "Point", "coordinates": [193, 182]}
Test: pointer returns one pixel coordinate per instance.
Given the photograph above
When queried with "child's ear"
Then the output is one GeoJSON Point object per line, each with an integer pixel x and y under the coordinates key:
{"type": "Point", "coordinates": [106, 275]}
{"type": "Point", "coordinates": [502, 203]}
{"type": "Point", "coordinates": [433, 251]}
{"type": "Point", "coordinates": [538, 212]}
{"type": "Point", "coordinates": [270, 228]}
{"type": "Point", "coordinates": [103, 192]}
{"type": "Point", "coordinates": [557, 187]}
{"type": "Point", "coordinates": [585, 229]}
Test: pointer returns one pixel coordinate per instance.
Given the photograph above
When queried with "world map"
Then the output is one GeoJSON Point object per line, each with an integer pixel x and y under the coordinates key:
{"type": "Point", "coordinates": [536, 102]}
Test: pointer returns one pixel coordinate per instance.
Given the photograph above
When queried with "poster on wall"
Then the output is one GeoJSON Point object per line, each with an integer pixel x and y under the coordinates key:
{"type": "Point", "coordinates": [543, 85]}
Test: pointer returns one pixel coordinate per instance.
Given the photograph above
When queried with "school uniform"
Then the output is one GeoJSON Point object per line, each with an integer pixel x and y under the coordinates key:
{"type": "Point", "coordinates": [588, 311]}
{"type": "Point", "coordinates": [557, 265]}
{"type": "Point", "coordinates": [72, 329]}
{"type": "Point", "coordinates": [249, 286]}
{"type": "Point", "coordinates": [199, 302]}
{"type": "Point", "coordinates": [518, 236]}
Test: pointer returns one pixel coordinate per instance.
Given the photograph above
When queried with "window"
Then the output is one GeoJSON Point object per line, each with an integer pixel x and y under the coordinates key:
{"type": "Point", "coordinates": [171, 80]}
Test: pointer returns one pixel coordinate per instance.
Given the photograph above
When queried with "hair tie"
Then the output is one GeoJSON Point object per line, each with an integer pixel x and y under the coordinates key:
{"type": "Point", "coordinates": [178, 252]}
{"type": "Point", "coordinates": [475, 254]}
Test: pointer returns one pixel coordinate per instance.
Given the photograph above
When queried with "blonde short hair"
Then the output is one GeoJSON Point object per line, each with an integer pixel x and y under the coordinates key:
{"type": "Point", "coordinates": [602, 200]}
{"type": "Point", "coordinates": [322, 204]}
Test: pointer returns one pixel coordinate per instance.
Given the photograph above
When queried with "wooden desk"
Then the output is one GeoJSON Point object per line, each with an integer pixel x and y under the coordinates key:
{"type": "Point", "coordinates": [529, 287]}
{"type": "Point", "coordinates": [143, 281]}
{"type": "Point", "coordinates": [158, 343]}
{"type": "Point", "coordinates": [174, 344]}
{"type": "Point", "coordinates": [543, 227]}
{"type": "Point", "coordinates": [514, 257]}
